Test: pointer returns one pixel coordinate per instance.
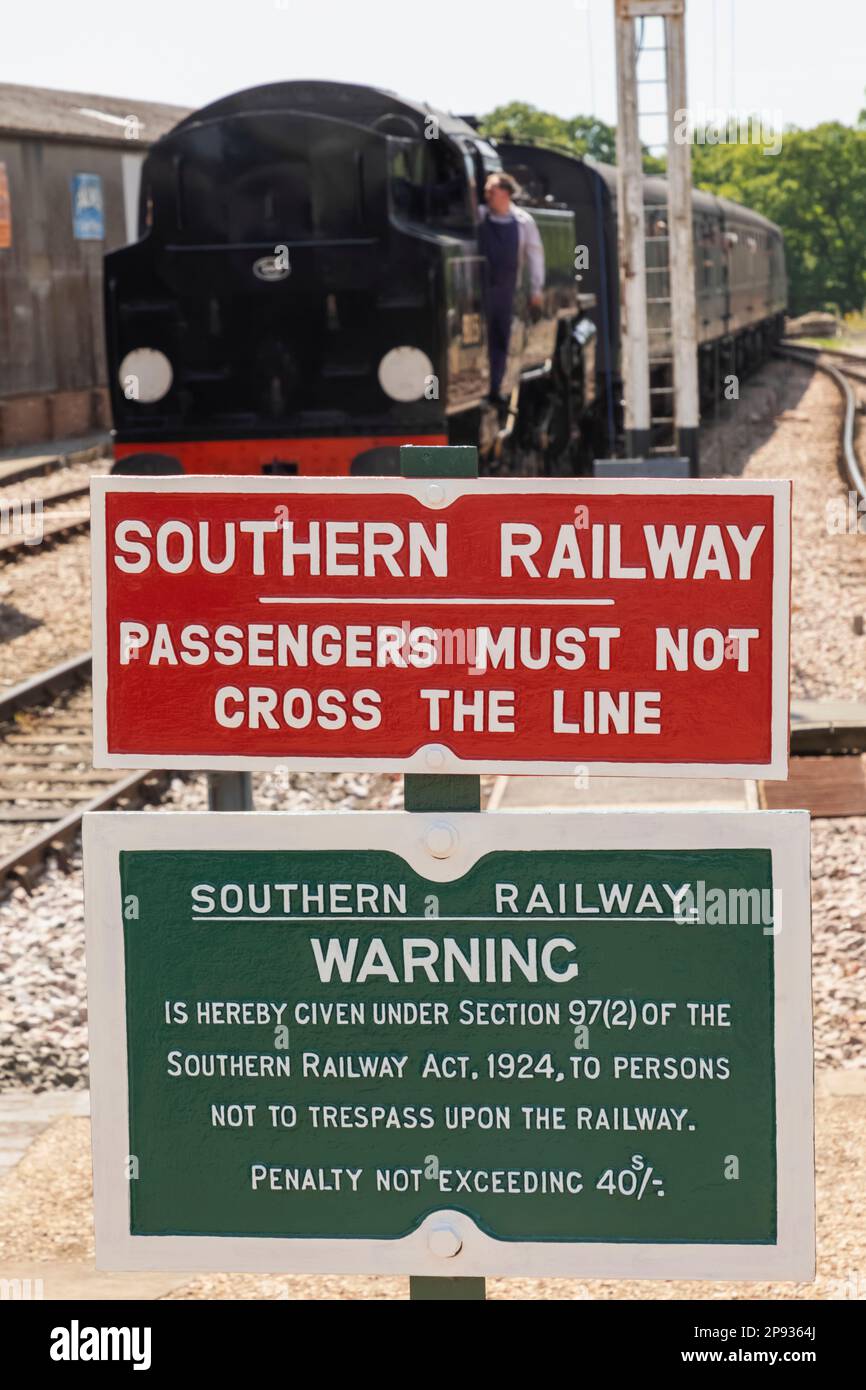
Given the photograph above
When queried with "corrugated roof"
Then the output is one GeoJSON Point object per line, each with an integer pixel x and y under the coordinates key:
{"type": "Point", "coordinates": [84, 115]}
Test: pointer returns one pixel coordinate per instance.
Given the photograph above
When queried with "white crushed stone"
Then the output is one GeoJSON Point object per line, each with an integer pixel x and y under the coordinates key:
{"type": "Point", "coordinates": [44, 608]}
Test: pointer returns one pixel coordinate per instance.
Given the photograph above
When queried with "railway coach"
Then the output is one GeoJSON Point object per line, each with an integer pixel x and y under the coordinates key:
{"type": "Point", "coordinates": [740, 280]}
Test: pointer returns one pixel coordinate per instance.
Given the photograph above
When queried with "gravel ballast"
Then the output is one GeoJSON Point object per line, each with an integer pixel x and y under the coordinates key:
{"type": "Point", "coordinates": [44, 609]}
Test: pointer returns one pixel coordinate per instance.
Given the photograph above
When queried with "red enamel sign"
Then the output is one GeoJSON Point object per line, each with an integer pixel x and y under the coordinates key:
{"type": "Point", "coordinates": [450, 625]}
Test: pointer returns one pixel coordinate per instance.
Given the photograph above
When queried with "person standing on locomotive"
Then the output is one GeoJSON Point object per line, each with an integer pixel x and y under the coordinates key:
{"type": "Point", "coordinates": [509, 239]}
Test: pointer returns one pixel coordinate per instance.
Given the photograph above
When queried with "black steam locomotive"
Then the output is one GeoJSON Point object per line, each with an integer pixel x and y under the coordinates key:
{"type": "Point", "coordinates": [307, 293]}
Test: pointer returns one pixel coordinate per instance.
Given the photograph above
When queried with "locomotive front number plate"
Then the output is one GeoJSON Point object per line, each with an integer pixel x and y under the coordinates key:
{"type": "Point", "coordinates": [501, 1044]}
{"type": "Point", "coordinates": [446, 625]}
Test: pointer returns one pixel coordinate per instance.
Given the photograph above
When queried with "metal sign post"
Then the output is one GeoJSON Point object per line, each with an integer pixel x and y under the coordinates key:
{"type": "Point", "coordinates": [230, 791]}
{"type": "Point", "coordinates": [441, 793]}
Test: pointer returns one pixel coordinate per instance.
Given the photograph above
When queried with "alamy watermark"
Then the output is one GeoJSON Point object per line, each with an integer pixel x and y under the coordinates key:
{"type": "Point", "coordinates": [846, 516]}
{"type": "Point", "coordinates": [702, 125]}
{"type": "Point", "coordinates": [77, 1342]}
{"type": "Point", "coordinates": [21, 1290]}
{"type": "Point", "coordinates": [21, 517]}
{"type": "Point", "coordinates": [698, 905]}
{"type": "Point", "coordinates": [851, 1285]}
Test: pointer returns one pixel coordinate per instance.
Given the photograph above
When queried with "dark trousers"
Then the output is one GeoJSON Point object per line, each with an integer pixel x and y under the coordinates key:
{"type": "Point", "coordinates": [500, 302]}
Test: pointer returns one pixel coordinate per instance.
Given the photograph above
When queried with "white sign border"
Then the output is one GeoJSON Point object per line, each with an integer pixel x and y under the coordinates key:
{"type": "Point", "coordinates": [784, 833]}
{"type": "Point", "coordinates": [438, 494]}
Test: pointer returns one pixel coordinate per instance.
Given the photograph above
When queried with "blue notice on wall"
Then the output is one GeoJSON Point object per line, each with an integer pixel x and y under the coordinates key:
{"type": "Point", "coordinates": [88, 213]}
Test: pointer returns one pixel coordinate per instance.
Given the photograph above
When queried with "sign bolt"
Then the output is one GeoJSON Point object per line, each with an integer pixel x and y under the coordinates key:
{"type": "Point", "coordinates": [441, 840]}
{"type": "Point", "coordinates": [444, 1242]}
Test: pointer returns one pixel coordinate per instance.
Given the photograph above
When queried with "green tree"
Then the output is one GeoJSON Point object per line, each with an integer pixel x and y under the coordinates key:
{"type": "Point", "coordinates": [580, 135]}
{"type": "Point", "coordinates": [815, 190]}
{"type": "Point", "coordinates": [518, 120]}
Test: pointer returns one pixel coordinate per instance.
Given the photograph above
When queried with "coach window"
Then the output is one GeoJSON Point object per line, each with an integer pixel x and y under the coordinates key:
{"type": "Point", "coordinates": [707, 240]}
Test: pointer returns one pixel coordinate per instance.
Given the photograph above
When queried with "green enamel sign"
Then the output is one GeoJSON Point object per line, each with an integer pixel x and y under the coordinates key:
{"type": "Point", "coordinates": [564, 1045]}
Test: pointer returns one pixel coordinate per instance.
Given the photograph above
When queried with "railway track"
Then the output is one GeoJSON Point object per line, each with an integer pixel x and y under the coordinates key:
{"type": "Point", "coordinates": [47, 781]}
{"type": "Point", "coordinates": [850, 360]}
{"type": "Point", "coordinates": [39, 521]}
{"type": "Point", "coordinates": [828, 766]}
{"type": "Point", "coordinates": [19, 470]}
{"type": "Point", "coordinates": [844, 368]}
{"type": "Point", "coordinates": [40, 506]}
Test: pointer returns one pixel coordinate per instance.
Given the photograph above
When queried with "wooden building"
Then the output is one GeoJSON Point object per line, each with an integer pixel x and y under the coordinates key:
{"type": "Point", "coordinates": [70, 168]}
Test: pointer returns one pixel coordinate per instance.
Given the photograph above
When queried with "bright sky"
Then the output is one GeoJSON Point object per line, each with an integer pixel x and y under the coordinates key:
{"type": "Point", "coordinates": [798, 60]}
